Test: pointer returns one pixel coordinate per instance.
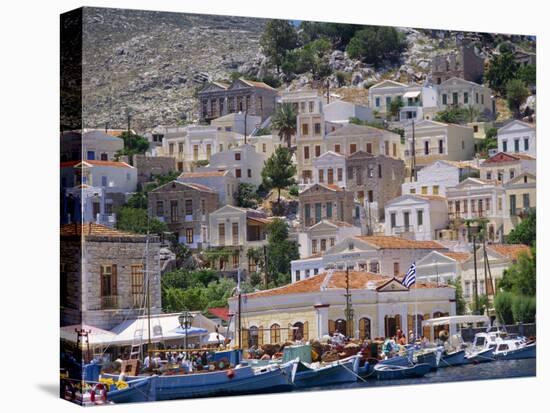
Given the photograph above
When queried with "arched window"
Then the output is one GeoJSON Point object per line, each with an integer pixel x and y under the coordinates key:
{"type": "Point", "coordinates": [364, 328]}
{"type": "Point", "coordinates": [253, 336]}
{"type": "Point", "coordinates": [391, 324]}
{"type": "Point", "coordinates": [275, 333]}
{"type": "Point", "coordinates": [340, 326]}
{"type": "Point", "coordinates": [298, 331]}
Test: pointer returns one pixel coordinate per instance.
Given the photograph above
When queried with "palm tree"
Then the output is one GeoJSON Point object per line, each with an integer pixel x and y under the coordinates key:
{"type": "Point", "coordinates": [284, 120]}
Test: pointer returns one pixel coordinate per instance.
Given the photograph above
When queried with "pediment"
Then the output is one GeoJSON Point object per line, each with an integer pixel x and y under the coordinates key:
{"type": "Point", "coordinates": [393, 285]}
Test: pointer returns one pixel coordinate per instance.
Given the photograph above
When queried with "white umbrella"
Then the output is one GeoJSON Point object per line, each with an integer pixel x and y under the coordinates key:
{"type": "Point", "coordinates": [213, 338]}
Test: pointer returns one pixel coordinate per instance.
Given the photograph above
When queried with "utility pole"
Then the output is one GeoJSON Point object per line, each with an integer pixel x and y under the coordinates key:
{"type": "Point", "coordinates": [266, 277]}
{"type": "Point", "coordinates": [245, 116]}
{"type": "Point", "coordinates": [349, 310]}
{"type": "Point", "coordinates": [328, 89]}
{"type": "Point", "coordinates": [413, 160]}
{"type": "Point", "coordinates": [476, 296]}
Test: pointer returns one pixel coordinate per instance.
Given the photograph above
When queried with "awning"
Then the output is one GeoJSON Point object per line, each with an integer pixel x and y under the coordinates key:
{"type": "Point", "coordinates": [213, 338]}
{"type": "Point", "coordinates": [458, 319]}
{"type": "Point", "coordinates": [412, 94]}
{"type": "Point", "coordinates": [95, 334]}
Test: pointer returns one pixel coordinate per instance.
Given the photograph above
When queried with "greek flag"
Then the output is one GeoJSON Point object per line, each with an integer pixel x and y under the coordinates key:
{"type": "Point", "coordinates": [410, 277]}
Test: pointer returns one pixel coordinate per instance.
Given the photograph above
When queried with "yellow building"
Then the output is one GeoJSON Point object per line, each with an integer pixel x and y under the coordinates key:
{"type": "Point", "coordinates": [315, 307]}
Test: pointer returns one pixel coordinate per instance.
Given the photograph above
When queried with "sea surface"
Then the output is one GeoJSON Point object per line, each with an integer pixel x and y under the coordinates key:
{"type": "Point", "coordinates": [502, 369]}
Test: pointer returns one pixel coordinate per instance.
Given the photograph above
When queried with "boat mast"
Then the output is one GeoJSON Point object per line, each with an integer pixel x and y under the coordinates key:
{"type": "Point", "coordinates": [239, 308]}
{"type": "Point", "coordinates": [349, 310]}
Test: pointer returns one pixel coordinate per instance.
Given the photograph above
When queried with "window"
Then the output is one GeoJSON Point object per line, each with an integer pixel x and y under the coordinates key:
{"type": "Point", "coordinates": [323, 245]}
{"type": "Point", "coordinates": [406, 220]}
{"type": "Point", "coordinates": [359, 177]}
{"type": "Point", "coordinates": [379, 171]}
{"type": "Point", "coordinates": [174, 211]}
{"type": "Point", "coordinates": [189, 235]}
{"type": "Point", "coordinates": [387, 148]}
{"type": "Point", "coordinates": [369, 147]}
{"type": "Point", "coordinates": [526, 201]}
{"type": "Point", "coordinates": [317, 211]}
{"type": "Point", "coordinates": [377, 102]}
{"type": "Point", "coordinates": [90, 155]}
{"type": "Point", "coordinates": [350, 172]}
{"type": "Point", "coordinates": [352, 148]}
{"type": "Point", "coordinates": [337, 148]}
{"type": "Point", "coordinates": [237, 156]}
{"type": "Point", "coordinates": [188, 207]}
{"type": "Point", "coordinates": [332, 241]}
{"type": "Point", "coordinates": [275, 333]}
{"type": "Point", "coordinates": [108, 287]}
{"type": "Point", "coordinates": [310, 106]}
{"type": "Point", "coordinates": [203, 207]}
{"type": "Point", "coordinates": [314, 246]}
{"type": "Point", "coordinates": [103, 181]}
{"type": "Point", "coordinates": [307, 213]}
{"type": "Point", "coordinates": [317, 151]}
{"type": "Point", "coordinates": [220, 147]}
{"type": "Point", "coordinates": [512, 174]}
{"type": "Point", "coordinates": [455, 98]}
{"type": "Point", "coordinates": [235, 232]}
{"type": "Point", "coordinates": [236, 260]}
{"type": "Point", "coordinates": [525, 144]}
{"type": "Point", "coordinates": [321, 175]}
{"type": "Point", "coordinates": [465, 98]}
{"type": "Point", "coordinates": [513, 204]}
{"type": "Point", "coordinates": [195, 152]}
{"type": "Point", "coordinates": [171, 148]}
{"type": "Point", "coordinates": [104, 157]}
{"type": "Point", "coordinates": [317, 128]}
{"type": "Point", "coordinates": [420, 217]}
{"type": "Point", "coordinates": [488, 175]}
{"type": "Point", "coordinates": [306, 152]}
{"type": "Point", "coordinates": [504, 146]}
{"type": "Point", "coordinates": [264, 148]}
{"type": "Point", "coordinates": [426, 147]}
{"type": "Point", "coordinates": [237, 173]}
{"type": "Point", "coordinates": [221, 233]}
{"type": "Point", "coordinates": [516, 145]}
{"type": "Point", "coordinates": [160, 208]}
{"type": "Point", "coordinates": [249, 173]}
{"type": "Point", "coordinates": [302, 107]}
{"type": "Point", "coordinates": [394, 149]}
{"type": "Point", "coordinates": [477, 97]}
{"type": "Point", "coordinates": [412, 191]}
{"type": "Point", "coordinates": [340, 174]}
{"type": "Point", "coordinates": [440, 146]}
{"type": "Point", "coordinates": [305, 129]}
{"type": "Point", "coordinates": [370, 196]}
{"type": "Point", "coordinates": [395, 269]}
{"type": "Point", "coordinates": [137, 285]}
{"type": "Point", "coordinates": [392, 219]}
{"type": "Point", "coordinates": [435, 190]}
{"type": "Point", "coordinates": [444, 98]}
{"type": "Point", "coordinates": [482, 99]}
{"type": "Point", "coordinates": [388, 102]}
{"type": "Point", "coordinates": [424, 190]}
{"type": "Point", "coordinates": [329, 209]}
{"type": "Point", "coordinates": [180, 147]}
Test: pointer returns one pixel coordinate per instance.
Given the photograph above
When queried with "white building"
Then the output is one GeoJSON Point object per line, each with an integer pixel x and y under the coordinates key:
{"type": "Point", "coordinates": [435, 178]}
{"type": "Point", "coordinates": [377, 254]}
{"type": "Point", "coordinates": [441, 266]}
{"type": "Point", "coordinates": [242, 161]}
{"type": "Point", "coordinates": [237, 122]}
{"type": "Point", "coordinates": [89, 145]}
{"type": "Point", "coordinates": [330, 168]}
{"type": "Point", "coordinates": [463, 93]}
{"type": "Point", "coordinates": [416, 216]}
{"type": "Point", "coordinates": [324, 235]}
{"type": "Point", "coordinates": [504, 167]}
{"type": "Point", "coordinates": [517, 137]}
{"type": "Point", "coordinates": [340, 111]}
{"type": "Point", "coordinates": [223, 182]}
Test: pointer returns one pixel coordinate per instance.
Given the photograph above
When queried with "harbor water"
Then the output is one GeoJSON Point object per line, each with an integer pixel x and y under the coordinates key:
{"type": "Point", "coordinates": [484, 371]}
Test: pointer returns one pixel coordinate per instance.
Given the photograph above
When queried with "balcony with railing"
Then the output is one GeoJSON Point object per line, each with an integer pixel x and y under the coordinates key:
{"type": "Point", "coordinates": [422, 151]}
{"type": "Point", "coordinates": [109, 302]}
{"type": "Point", "coordinates": [106, 219]}
{"type": "Point", "coordinates": [405, 231]}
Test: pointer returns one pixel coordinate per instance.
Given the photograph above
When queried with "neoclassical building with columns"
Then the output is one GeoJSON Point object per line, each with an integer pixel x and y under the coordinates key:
{"type": "Point", "coordinates": [315, 307]}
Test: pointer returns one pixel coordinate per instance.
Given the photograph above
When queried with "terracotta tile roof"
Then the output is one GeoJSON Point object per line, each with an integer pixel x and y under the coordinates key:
{"type": "Point", "coordinates": [333, 187]}
{"type": "Point", "coordinates": [392, 242]}
{"type": "Point", "coordinates": [220, 312]}
{"type": "Point", "coordinates": [458, 256]}
{"type": "Point", "coordinates": [339, 223]}
{"type": "Point", "coordinates": [358, 279]}
{"type": "Point", "coordinates": [501, 157]}
{"type": "Point", "coordinates": [185, 185]}
{"type": "Point", "coordinates": [90, 228]}
{"type": "Point", "coordinates": [525, 156]}
{"type": "Point", "coordinates": [203, 174]}
{"type": "Point", "coordinates": [96, 163]}
{"type": "Point", "coordinates": [460, 164]}
{"type": "Point", "coordinates": [511, 251]}
{"type": "Point", "coordinates": [200, 187]}
{"type": "Point", "coordinates": [432, 197]}
{"type": "Point", "coordinates": [257, 84]}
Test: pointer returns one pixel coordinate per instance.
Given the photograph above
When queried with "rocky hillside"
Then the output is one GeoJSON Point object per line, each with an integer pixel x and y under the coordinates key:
{"type": "Point", "coordinates": [151, 63]}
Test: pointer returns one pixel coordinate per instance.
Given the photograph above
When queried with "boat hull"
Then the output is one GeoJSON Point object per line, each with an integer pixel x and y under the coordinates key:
{"type": "Point", "coordinates": [527, 352]}
{"type": "Point", "coordinates": [483, 356]}
{"type": "Point", "coordinates": [345, 371]}
{"type": "Point", "coordinates": [456, 358]}
{"type": "Point", "coordinates": [399, 372]}
{"type": "Point", "coordinates": [245, 380]}
{"type": "Point", "coordinates": [142, 390]}
{"type": "Point", "coordinates": [431, 358]}
{"type": "Point", "coordinates": [402, 361]}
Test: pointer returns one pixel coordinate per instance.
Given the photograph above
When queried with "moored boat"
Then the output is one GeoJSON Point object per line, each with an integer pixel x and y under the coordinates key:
{"type": "Point", "coordinates": [514, 350]}
{"type": "Point", "coordinates": [456, 358]}
{"type": "Point", "coordinates": [481, 356]}
{"type": "Point", "coordinates": [387, 372]}
{"type": "Point", "coordinates": [403, 361]}
{"type": "Point", "coordinates": [430, 357]}
{"type": "Point", "coordinates": [140, 390]}
{"type": "Point", "coordinates": [341, 371]}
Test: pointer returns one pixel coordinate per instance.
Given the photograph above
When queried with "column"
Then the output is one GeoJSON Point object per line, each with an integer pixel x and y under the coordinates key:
{"type": "Point", "coordinates": [404, 318]}
{"type": "Point", "coordinates": [322, 319]}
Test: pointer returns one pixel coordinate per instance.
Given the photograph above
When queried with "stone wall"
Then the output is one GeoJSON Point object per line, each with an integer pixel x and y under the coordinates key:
{"type": "Point", "coordinates": [149, 166]}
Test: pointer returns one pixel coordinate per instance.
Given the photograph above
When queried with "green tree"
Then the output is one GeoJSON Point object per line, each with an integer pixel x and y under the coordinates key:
{"type": "Point", "coordinates": [528, 74]}
{"type": "Point", "coordinates": [502, 69]}
{"type": "Point", "coordinates": [453, 114]}
{"type": "Point", "coordinates": [136, 220]}
{"type": "Point", "coordinates": [395, 107]}
{"type": "Point", "coordinates": [459, 296]}
{"type": "Point", "coordinates": [278, 172]}
{"type": "Point", "coordinates": [526, 231]}
{"type": "Point", "coordinates": [284, 121]}
{"type": "Point", "coordinates": [524, 309]}
{"type": "Point", "coordinates": [503, 307]}
{"type": "Point", "coordinates": [133, 144]}
{"type": "Point", "coordinates": [278, 38]}
{"type": "Point", "coordinates": [373, 44]}
{"type": "Point", "coordinates": [490, 141]}
{"type": "Point", "coordinates": [137, 200]}
{"type": "Point", "coordinates": [516, 95]}
{"type": "Point", "coordinates": [280, 252]}
{"type": "Point", "coordinates": [521, 277]}
{"type": "Point", "coordinates": [247, 196]}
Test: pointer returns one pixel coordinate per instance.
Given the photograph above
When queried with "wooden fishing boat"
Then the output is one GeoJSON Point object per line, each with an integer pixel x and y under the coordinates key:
{"type": "Point", "coordinates": [402, 361]}
{"type": "Point", "coordinates": [388, 372]}
{"type": "Point", "coordinates": [456, 358]}
{"type": "Point", "coordinates": [481, 356]}
{"type": "Point", "coordinates": [430, 357]}
{"type": "Point", "coordinates": [240, 380]}
{"type": "Point", "coordinates": [141, 390]}
{"type": "Point", "coordinates": [341, 371]}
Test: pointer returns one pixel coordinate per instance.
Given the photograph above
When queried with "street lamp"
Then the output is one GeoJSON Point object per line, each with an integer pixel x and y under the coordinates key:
{"type": "Point", "coordinates": [185, 319]}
